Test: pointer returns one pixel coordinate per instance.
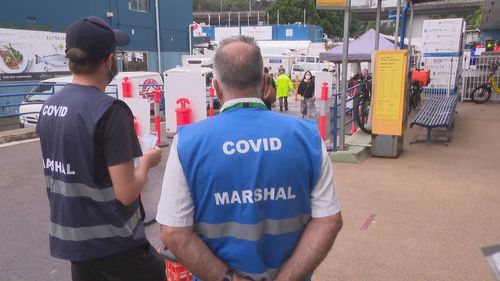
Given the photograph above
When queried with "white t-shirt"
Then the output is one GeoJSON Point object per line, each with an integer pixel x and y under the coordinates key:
{"type": "Point", "coordinates": [176, 208]}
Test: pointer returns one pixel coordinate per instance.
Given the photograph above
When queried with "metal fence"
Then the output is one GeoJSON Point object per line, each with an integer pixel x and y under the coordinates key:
{"type": "Point", "coordinates": [475, 72]}
{"type": "Point", "coordinates": [349, 111]}
{"type": "Point", "coordinates": [444, 70]}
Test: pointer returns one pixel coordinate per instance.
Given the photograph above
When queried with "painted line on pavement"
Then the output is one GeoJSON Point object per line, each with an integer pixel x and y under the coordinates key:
{"type": "Point", "coordinates": [368, 222]}
{"type": "Point", "coordinates": [18, 142]}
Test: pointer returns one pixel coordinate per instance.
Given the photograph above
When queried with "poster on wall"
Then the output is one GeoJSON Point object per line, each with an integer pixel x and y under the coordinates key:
{"type": "Point", "coordinates": [258, 32]}
{"type": "Point", "coordinates": [31, 55]}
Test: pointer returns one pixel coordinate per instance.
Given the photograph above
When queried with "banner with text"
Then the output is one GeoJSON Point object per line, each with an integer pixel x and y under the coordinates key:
{"type": "Point", "coordinates": [31, 55]}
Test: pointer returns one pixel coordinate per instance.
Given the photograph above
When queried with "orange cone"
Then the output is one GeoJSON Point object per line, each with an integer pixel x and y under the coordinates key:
{"type": "Point", "coordinates": [353, 128]}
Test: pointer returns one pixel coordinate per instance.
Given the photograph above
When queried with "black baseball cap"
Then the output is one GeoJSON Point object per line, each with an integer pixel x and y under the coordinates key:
{"type": "Point", "coordinates": [94, 37]}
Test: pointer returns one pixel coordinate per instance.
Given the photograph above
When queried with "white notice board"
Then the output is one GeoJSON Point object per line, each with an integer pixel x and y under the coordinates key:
{"type": "Point", "coordinates": [443, 36]}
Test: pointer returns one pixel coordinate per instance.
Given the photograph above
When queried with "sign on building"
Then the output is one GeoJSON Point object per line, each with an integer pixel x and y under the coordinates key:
{"type": "Point", "coordinates": [222, 33]}
{"type": "Point", "coordinates": [259, 33]}
{"type": "Point", "coordinates": [31, 55]}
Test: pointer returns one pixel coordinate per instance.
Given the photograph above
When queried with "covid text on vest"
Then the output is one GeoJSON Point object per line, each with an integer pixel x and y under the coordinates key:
{"type": "Point", "coordinates": [54, 110]}
{"type": "Point", "coordinates": [245, 146]}
{"type": "Point", "coordinates": [253, 196]}
{"type": "Point", "coordinates": [58, 167]}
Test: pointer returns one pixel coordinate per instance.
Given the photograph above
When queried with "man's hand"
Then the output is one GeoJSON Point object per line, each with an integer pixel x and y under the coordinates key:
{"type": "Point", "coordinates": [128, 181]}
{"type": "Point", "coordinates": [152, 158]}
{"type": "Point", "coordinates": [236, 277]}
{"type": "Point", "coordinates": [314, 245]}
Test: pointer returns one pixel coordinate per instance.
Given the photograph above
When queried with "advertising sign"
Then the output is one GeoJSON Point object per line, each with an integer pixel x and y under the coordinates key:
{"type": "Point", "coordinates": [389, 91]}
{"type": "Point", "coordinates": [222, 33]}
{"type": "Point", "coordinates": [440, 71]}
{"type": "Point", "coordinates": [330, 4]}
{"type": "Point", "coordinates": [31, 55]}
{"type": "Point", "coordinates": [258, 32]}
{"type": "Point", "coordinates": [442, 36]}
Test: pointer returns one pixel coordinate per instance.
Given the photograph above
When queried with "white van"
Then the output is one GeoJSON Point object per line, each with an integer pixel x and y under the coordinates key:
{"type": "Point", "coordinates": [32, 104]}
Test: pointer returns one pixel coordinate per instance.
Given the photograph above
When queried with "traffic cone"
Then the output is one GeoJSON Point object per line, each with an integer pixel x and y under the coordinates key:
{"type": "Point", "coordinates": [353, 128]}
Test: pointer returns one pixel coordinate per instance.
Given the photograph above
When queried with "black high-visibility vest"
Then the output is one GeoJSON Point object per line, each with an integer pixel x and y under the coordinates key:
{"type": "Point", "coordinates": [86, 220]}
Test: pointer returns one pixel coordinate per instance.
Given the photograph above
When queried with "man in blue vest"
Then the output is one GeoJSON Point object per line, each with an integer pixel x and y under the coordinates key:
{"type": "Point", "coordinates": [248, 194]}
{"type": "Point", "coordinates": [88, 144]}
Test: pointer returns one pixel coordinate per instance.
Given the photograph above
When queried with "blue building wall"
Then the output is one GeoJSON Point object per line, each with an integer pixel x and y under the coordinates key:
{"type": "Point", "coordinates": [57, 15]}
{"type": "Point", "coordinates": [493, 34]}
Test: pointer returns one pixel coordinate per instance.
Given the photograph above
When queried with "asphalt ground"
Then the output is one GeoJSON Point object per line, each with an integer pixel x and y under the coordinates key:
{"type": "Point", "coordinates": [432, 209]}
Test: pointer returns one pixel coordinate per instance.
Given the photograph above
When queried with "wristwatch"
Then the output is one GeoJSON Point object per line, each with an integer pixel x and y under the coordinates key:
{"type": "Point", "coordinates": [228, 276]}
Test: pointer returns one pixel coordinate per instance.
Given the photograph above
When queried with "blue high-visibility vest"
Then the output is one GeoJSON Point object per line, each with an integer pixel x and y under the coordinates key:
{"type": "Point", "coordinates": [86, 220]}
{"type": "Point", "coordinates": [250, 172]}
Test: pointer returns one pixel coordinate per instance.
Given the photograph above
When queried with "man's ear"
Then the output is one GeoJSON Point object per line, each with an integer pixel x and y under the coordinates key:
{"type": "Point", "coordinates": [217, 88]}
{"type": "Point", "coordinates": [109, 59]}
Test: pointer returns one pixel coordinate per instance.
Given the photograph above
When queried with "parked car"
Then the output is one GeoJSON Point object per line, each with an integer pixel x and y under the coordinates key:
{"type": "Point", "coordinates": [32, 104]}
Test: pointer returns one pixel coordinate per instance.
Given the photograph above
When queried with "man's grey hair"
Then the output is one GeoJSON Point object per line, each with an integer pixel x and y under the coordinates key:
{"type": "Point", "coordinates": [239, 70]}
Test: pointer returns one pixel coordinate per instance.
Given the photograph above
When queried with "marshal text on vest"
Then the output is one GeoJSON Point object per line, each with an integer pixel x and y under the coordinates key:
{"type": "Point", "coordinates": [58, 167]}
{"type": "Point", "coordinates": [253, 196]}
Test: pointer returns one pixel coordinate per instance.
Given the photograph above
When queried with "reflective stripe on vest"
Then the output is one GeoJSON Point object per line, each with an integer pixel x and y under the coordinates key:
{"type": "Point", "coordinates": [79, 190]}
{"type": "Point", "coordinates": [252, 232]}
{"type": "Point", "coordinates": [93, 232]}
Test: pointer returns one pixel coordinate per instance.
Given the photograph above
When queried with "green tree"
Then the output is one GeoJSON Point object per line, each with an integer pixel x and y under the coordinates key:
{"type": "Point", "coordinates": [474, 20]}
{"type": "Point", "coordinates": [292, 11]}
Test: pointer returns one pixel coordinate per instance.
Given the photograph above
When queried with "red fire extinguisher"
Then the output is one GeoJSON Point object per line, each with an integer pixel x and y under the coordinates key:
{"type": "Point", "coordinates": [126, 87]}
{"type": "Point", "coordinates": [183, 112]}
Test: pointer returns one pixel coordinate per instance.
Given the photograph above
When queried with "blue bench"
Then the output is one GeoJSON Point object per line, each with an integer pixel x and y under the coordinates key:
{"type": "Point", "coordinates": [438, 112]}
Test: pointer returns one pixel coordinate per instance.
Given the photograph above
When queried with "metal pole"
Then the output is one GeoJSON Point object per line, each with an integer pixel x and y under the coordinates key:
{"type": "Point", "coordinates": [248, 18]}
{"type": "Point", "coordinates": [258, 17]}
{"type": "Point", "coordinates": [451, 75]}
{"type": "Point", "coordinates": [191, 39]}
{"type": "Point", "coordinates": [158, 38]}
{"type": "Point", "coordinates": [304, 16]}
{"type": "Point", "coordinates": [411, 25]}
{"type": "Point", "coordinates": [250, 6]}
{"type": "Point", "coordinates": [209, 18]}
{"type": "Point", "coordinates": [396, 34]}
{"type": "Point", "coordinates": [267, 15]}
{"type": "Point", "coordinates": [345, 53]}
{"type": "Point", "coordinates": [219, 19]}
{"type": "Point", "coordinates": [221, 6]}
{"type": "Point", "coordinates": [239, 18]}
{"type": "Point", "coordinates": [229, 19]}
{"type": "Point", "coordinates": [377, 24]}
{"type": "Point", "coordinates": [278, 17]}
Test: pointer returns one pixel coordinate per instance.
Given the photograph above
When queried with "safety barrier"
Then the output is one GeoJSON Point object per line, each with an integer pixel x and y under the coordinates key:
{"type": "Point", "coordinates": [444, 70]}
{"type": "Point", "coordinates": [476, 71]}
{"type": "Point", "coordinates": [334, 113]}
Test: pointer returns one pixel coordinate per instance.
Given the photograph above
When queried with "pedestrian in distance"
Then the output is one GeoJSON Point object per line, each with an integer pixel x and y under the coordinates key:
{"type": "Point", "coordinates": [226, 213]}
{"type": "Point", "coordinates": [268, 89]}
{"type": "Point", "coordinates": [306, 92]}
{"type": "Point", "coordinates": [284, 86]}
{"type": "Point", "coordinates": [88, 146]}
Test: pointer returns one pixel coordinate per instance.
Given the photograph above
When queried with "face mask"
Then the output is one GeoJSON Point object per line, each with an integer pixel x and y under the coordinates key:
{"type": "Point", "coordinates": [308, 77]}
{"type": "Point", "coordinates": [113, 70]}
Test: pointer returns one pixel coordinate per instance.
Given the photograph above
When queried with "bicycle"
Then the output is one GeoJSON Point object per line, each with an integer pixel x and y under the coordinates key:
{"type": "Point", "coordinates": [362, 103]}
{"type": "Point", "coordinates": [482, 93]}
{"type": "Point", "coordinates": [419, 79]}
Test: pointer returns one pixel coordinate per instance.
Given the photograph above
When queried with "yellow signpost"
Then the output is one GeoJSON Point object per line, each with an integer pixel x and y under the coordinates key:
{"type": "Point", "coordinates": [389, 88]}
{"type": "Point", "coordinates": [330, 4]}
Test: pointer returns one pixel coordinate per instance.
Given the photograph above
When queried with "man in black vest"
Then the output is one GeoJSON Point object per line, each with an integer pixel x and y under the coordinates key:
{"type": "Point", "coordinates": [88, 145]}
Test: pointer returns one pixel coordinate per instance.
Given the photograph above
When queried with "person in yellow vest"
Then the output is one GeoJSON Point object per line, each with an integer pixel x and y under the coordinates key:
{"type": "Point", "coordinates": [284, 86]}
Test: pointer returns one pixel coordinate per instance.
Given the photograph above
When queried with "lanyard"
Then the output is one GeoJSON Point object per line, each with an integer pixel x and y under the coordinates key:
{"type": "Point", "coordinates": [245, 105]}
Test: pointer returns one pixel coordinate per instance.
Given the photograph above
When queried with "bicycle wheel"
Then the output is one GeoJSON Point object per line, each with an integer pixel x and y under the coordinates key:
{"type": "Point", "coordinates": [481, 94]}
{"type": "Point", "coordinates": [361, 111]}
